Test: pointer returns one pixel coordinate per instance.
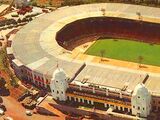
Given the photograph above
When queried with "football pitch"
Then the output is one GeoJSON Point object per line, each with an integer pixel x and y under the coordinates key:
{"type": "Point", "coordinates": [126, 50]}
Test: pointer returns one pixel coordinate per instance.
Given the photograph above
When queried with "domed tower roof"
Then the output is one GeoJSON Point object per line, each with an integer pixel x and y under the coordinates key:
{"type": "Point", "coordinates": [140, 89]}
{"type": "Point", "coordinates": [58, 74]}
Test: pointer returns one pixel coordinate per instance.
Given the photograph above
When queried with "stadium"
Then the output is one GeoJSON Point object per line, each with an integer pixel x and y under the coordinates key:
{"type": "Point", "coordinates": [57, 43]}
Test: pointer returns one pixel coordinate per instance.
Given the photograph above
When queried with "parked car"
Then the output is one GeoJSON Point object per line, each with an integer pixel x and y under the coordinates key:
{"type": "Point", "coordinates": [1, 111]}
{"type": "Point", "coordinates": [22, 97]}
{"type": "Point", "coordinates": [29, 113]}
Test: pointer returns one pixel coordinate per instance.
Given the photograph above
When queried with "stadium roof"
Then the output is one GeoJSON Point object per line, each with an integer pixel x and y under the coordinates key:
{"type": "Point", "coordinates": [111, 76]}
{"type": "Point", "coordinates": [35, 46]}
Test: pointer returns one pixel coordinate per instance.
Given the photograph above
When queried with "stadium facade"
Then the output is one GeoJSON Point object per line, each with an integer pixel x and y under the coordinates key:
{"type": "Point", "coordinates": [35, 53]}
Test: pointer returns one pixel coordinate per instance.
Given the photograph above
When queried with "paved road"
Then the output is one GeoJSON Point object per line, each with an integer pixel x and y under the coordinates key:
{"type": "Point", "coordinates": [14, 109]}
{"type": "Point", "coordinates": [17, 112]}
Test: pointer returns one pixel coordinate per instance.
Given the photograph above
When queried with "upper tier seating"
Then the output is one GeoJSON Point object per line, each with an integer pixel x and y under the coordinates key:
{"type": "Point", "coordinates": [111, 27]}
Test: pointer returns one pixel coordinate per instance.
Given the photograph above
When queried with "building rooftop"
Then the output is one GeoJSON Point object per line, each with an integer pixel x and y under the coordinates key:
{"type": "Point", "coordinates": [35, 46]}
{"type": "Point", "coordinates": [111, 77]}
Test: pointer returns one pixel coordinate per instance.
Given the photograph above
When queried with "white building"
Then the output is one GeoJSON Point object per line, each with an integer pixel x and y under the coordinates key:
{"type": "Point", "coordinates": [141, 101]}
{"type": "Point", "coordinates": [59, 85]}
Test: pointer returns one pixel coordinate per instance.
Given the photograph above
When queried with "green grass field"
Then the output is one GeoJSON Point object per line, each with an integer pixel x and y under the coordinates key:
{"type": "Point", "coordinates": [126, 50]}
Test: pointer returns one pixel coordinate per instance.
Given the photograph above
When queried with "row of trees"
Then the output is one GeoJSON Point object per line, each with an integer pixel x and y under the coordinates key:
{"type": "Point", "coordinates": [14, 22]}
{"type": "Point", "coordinates": [7, 22]}
{"type": "Point", "coordinates": [47, 3]}
{"type": "Point", "coordinates": [5, 1]}
{"type": "Point", "coordinates": [4, 66]}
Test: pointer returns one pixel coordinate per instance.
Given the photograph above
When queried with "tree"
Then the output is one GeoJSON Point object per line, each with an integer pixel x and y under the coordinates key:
{"type": "Point", "coordinates": [139, 16]}
{"type": "Point", "coordinates": [4, 91]}
{"type": "Point", "coordinates": [33, 3]}
{"type": "Point", "coordinates": [2, 83]}
{"type": "Point", "coordinates": [1, 100]}
{"type": "Point", "coordinates": [140, 59]}
{"type": "Point", "coordinates": [30, 19]}
{"type": "Point", "coordinates": [19, 20]}
{"type": "Point", "coordinates": [14, 22]}
{"type": "Point", "coordinates": [24, 20]}
{"type": "Point", "coordinates": [50, 2]}
{"type": "Point", "coordinates": [102, 52]}
{"type": "Point", "coordinates": [103, 11]}
{"type": "Point", "coordinates": [14, 81]}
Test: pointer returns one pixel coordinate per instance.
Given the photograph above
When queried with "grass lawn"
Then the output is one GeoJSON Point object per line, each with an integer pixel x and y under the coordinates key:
{"type": "Point", "coordinates": [126, 50]}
